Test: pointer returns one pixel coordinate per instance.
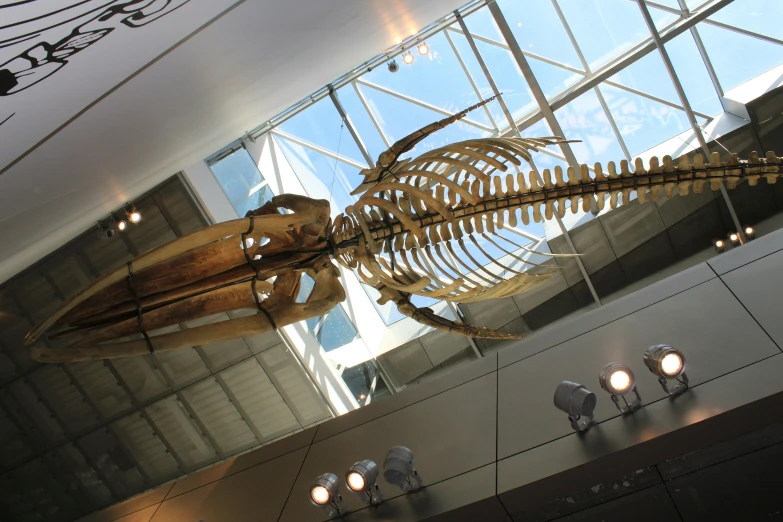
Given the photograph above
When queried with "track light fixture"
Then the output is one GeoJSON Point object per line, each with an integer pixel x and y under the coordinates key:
{"type": "Point", "coordinates": [325, 493]}
{"type": "Point", "coordinates": [362, 480]}
{"type": "Point", "coordinates": [734, 238]}
{"type": "Point", "coordinates": [121, 225]}
{"type": "Point", "coordinates": [104, 232]}
{"type": "Point", "coordinates": [667, 363]}
{"type": "Point", "coordinates": [398, 469]}
{"type": "Point", "coordinates": [750, 233]}
{"type": "Point", "coordinates": [720, 245]}
{"type": "Point", "coordinates": [619, 381]}
{"type": "Point", "coordinates": [578, 402]}
{"type": "Point", "coordinates": [393, 66]}
{"type": "Point", "coordinates": [424, 49]}
{"type": "Point", "coordinates": [407, 58]}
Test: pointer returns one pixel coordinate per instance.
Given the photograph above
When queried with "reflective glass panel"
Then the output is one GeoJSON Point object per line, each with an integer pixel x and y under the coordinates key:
{"type": "Point", "coordinates": [693, 75]}
{"type": "Point", "coordinates": [758, 16]}
{"type": "Point", "coordinates": [242, 182]}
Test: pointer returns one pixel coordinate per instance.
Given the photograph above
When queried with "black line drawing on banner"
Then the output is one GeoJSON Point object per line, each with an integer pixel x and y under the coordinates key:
{"type": "Point", "coordinates": [8, 118]}
{"type": "Point", "coordinates": [89, 21]}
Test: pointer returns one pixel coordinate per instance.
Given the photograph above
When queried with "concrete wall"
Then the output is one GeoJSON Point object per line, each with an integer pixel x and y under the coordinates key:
{"type": "Point", "coordinates": [490, 445]}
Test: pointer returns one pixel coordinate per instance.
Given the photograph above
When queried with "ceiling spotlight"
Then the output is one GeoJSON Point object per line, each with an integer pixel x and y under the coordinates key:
{"type": "Point", "coordinates": [104, 232]}
{"type": "Point", "coordinates": [393, 66]}
{"type": "Point", "coordinates": [578, 402]}
{"type": "Point", "coordinates": [361, 479]}
{"type": "Point", "coordinates": [398, 469]}
{"type": "Point", "coordinates": [618, 380]}
{"type": "Point", "coordinates": [667, 363]}
{"type": "Point", "coordinates": [121, 225]}
{"type": "Point", "coordinates": [424, 50]}
{"type": "Point", "coordinates": [750, 233]}
{"type": "Point", "coordinates": [134, 216]}
{"type": "Point", "coordinates": [407, 58]}
{"type": "Point", "coordinates": [734, 238]}
{"type": "Point", "coordinates": [325, 493]}
{"type": "Point", "coordinates": [720, 245]}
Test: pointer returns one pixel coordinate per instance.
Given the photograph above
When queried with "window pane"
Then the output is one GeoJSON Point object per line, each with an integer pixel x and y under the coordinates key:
{"type": "Point", "coordinates": [738, 58]}
{"type": "Point", "coordinates": [322, 177]}
{"type": "Point", "coordinates": [584, 119]}
{"type": "Point", "coordinates": [360, 119]}
{"type": "Point", "coordinates": [437, 79]}
{"type": "Point", "coordinates": [239, 178]}
{"type": "Point", "coordinates": [605, 28]}
{"type": "Point", "coordinates": [337, 330]}
{"type": "Point", "coordinates": [758, 16]}
{"type": "Point", "coordinates": [321, 125]}
{"type": "Point", "coordinates": [538, 30]}
{"type": "Point", "coordinates": [643, 123]}
{"type": "Point", "coordinates": [648, 75]}
{"type": "Point", "coordinates": [690, 69]}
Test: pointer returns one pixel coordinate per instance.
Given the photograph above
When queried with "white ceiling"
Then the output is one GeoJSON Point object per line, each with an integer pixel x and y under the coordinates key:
{"type": "Point", "coordinates": [143, 102]}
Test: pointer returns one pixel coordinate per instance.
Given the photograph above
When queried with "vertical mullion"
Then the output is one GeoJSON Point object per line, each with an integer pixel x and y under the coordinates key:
{"type": "Point", "coordinates": [686, 105]}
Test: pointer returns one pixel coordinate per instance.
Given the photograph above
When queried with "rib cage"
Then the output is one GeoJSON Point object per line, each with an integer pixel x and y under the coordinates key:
{"type": "Point", "coordinates": [441, 225]}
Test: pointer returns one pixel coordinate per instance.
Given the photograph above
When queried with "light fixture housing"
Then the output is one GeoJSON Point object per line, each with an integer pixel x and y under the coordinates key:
{"type": "Point", "coordinates": [407, 58]}
{"type": "Point", "coordinates": [325, 493]}
{"type": "Point", "coordinates": [398, 469]}
{"type": "Point", "coordinates": [104, 232]}
{"type": "Point", "coordinates": [578, 402]}
{"type": "Point", "coordinates": [720, 245]}
{"type": "Point", "coordinates": [667, 363]}
{"type": "Point", "coordinates": [734, 237]}
{"type": "Point", "coordinates": [424, 49]}
{"type": "Point", "coordinates": [619, 381]}
{"type": "Point", "coordinates": [750, 233]}
{"type": "Point", "coordinates": [121, 225]}
{"type": "Point", "coordinates": [362, 479]}
{"type": "Point", "coordinates": [393, 66]}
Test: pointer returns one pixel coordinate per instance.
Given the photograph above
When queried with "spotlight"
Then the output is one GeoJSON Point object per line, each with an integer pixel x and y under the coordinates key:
{"type": "Point", "coordinates": [667, 363]}
{"type": "Point", "coordinates": [720, 245]}
{"type": "Point", "coordinates": [122, 225]}
{"type": "Point", "coordinates": [578, 402]}
{"type": "Point", "coordinates": [618, 380]}
{"type": "Point", "coordinates": [361, 479]}
{"type": "Point", "coordinates": [407, 58]}
{"type": "Point", "coordinates": [393, 66]}
{"type": "Point", "coordinates": [424, 49]}
{"type": "Point", "coordinates": [104, 232]}
{"type": "Point", "coordinates": [734, 238]}
{"type": "Point", "coordinates": [398, 469]}
{"type": "Point", "coordinates": [134, 216]}
{"type": "Point", "coordinates": [325, 493]}
{"type": "Point", "coordinates": [750, 233]}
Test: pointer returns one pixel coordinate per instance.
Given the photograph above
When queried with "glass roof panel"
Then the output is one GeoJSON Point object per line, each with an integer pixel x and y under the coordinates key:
{"type": "Point", "coordinates": [605, 28]}
{"type": "Point", "coordinates": [481, 23]}
{"type": "Point", "coordinates": [537, 29]}
{"type": "Point", "coordinates": [648, 75]}
{"type": "Point", "coordinates": [643, 123]}
{"type": "Point", "coordinates": [758, 16]}
{"type": "Point", "coordinates": [321, 125]}
{"type": "Point", "coordinates": [693, 75]}
{"type": "Point", "coordinates": [584, 119]}
{"type": "Point", "coordinates": [437, 79]}
{"type": "Point", "coordinates": [399, 117]}
{"type": "Point", "coordinates": [361, 120]}
{"type": "Point", "coordinates": [736, 57]}
{"type": "Point", "coordinates": [323, 177]}
{"type": "Point", "coordinates": [241, 180]}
